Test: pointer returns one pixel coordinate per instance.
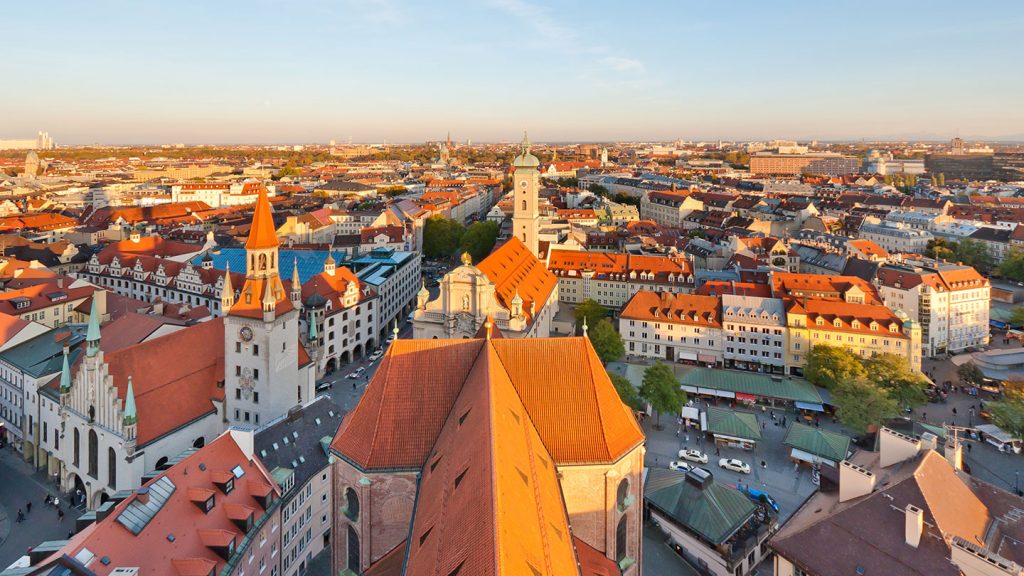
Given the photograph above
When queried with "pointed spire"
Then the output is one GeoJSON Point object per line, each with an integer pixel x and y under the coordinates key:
{"type": "Point", "coordinates": [296, 283]}
{"type": "Point", "coordinates": [584, 326]}
{"type": "Point", "coordinates": [262, 233]}
{"type": "Point", "coordinates": [92, 334]}
{"type": "Point", "coordinates": [329, 264]}
{"type": "Point", "coordinates": [227, 292]}
{"type": "Point", "coordinates": [313, 334]}
{"type": "Point", "coordinates": [65, 374]}
{"type": "Point", "coordinates": [129, 404]}
{"type": "Point", "coordinates": [526, 143]}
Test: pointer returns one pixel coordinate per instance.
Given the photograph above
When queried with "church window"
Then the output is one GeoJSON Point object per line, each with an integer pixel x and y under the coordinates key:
{"type": "Point", "coordinates": [263, 263]}
{"type": "Point", "coordinates": [94, 456]}
{"type": "Point", "coordinates": [111, 468]}
{"type": "Point", "coordinates": [524, 204]}
{"type": "Point", "coordinates": [255, 349]}
{"type": "Point", "coordinates": [77, 449]}
{"type": "Point", "coordinates": [620, 539]}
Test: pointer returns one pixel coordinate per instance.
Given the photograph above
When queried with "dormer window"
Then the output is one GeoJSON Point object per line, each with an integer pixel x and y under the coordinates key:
{"type": "Point", "coordinates": [874, 326]}
{"type": "Point", "coordinates": [855, 324]}
{"type": "Point", "coordinates": [893, 328]}
{"type": "Point", "coordinates": [820, 322]}
{"type": "Point", "coordinates": [837, 323]}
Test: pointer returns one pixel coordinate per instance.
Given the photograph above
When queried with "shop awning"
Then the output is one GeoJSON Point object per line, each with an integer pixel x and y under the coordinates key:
{"type": "Point", "coordinates": [747, 397]}
{"type": "Point", "coordinates": [709, 358]}
{"type": "Point", "coordinates": [686, 355]}
{"type": "Point", "coordinates": [810, 406]}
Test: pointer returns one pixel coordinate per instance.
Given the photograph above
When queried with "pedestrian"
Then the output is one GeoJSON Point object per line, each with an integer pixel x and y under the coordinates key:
{"type": "Point", "coordinates": [968, 446]}
{"type": "Point", "coordinates": [954, 410]}
{"type": "Point", "coordinates": [60, 515]}
{"type": "Point", "coordinates": [718, 451]}
{"type": "Point", "coordinates": [21, 515]}
{"type": "Point", "coordinates": [764, 465]}
{"type": "Point", "coordinates": [70, 534]}
{"type": "Point", "coordinates": [924, 416]}
{"type": "Point", "coordinates": [28, 507]}
{"type": "Point", "coordinates": [56, 502]}
{"type": "Point", "coordinates": [655, 460]}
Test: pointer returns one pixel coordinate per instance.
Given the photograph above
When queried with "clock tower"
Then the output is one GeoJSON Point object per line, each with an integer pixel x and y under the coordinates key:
{"type": "Point", "coordinates": [526, 186]}
{"type": "Point", "coordinates": [262, 376]}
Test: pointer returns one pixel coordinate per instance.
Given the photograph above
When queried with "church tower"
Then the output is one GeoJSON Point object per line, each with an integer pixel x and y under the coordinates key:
{"type": "Point", "coordinates": [262, 379]}
{"type": "Point", "coordinates": [526, 187]}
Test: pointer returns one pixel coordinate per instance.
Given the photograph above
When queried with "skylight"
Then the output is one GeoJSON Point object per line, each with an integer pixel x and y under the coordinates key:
{"type": "Point", "coordinates": [238, 472]}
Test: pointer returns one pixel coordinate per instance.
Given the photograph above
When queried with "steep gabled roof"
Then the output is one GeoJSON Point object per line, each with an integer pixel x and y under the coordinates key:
{"type": "Point", "coordinates": [515, 270]}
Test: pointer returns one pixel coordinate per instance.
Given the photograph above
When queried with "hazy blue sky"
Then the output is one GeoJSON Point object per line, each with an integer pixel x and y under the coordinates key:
{"type": "Point", "coordinates": [222, 71]}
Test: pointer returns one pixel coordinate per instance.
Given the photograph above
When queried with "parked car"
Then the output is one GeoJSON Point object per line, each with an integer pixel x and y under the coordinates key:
{"type": "Point", "coordinates": [734, 465]}
{"type": "Point", "coordinates": [375, 356]}
{"type": "Point", "coordinates": [352, 375]}
{"type": "Point", "coordinates": [757, 495]}
{"type": "Point", "coordinates": [694, 456]}
{"type": "Point", "coordinates": [324, 385]}
{"type": "Point", "coordinates": [680, 466]}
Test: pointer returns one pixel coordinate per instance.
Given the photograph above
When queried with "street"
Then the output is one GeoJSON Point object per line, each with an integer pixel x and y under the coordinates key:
{"type": "Point", "coordinates": [21, 486]}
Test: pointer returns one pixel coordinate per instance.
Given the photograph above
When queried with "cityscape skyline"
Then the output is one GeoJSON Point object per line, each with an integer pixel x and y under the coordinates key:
{"type": "Point", "coordinates": [324, 70]}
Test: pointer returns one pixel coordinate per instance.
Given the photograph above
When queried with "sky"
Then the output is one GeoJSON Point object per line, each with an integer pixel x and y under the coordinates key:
{"type": "Point", "coordinates": [309, 71]}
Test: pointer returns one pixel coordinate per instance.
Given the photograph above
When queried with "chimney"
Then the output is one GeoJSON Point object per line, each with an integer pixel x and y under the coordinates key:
{"type": "Point", "coordinates": [929, 441]}
{"type": "Point", "coordinates": [895, 447]}
{"type": "Point", "coordinates": [854, 481]}
{"type": "Point", "coordinates": [914, 525]}
{"type": "Point", "coordinates": [954, 454]}
{"type": "Point", "coordinates": [142, 495]}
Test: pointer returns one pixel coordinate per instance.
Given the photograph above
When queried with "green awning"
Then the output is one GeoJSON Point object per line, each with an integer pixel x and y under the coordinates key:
{"type": "Point", "coordinates": [732, 423]}
{"type": "Point", "coordinates": [715, 511]}
{"type": "Point", "coordinates": [791, 389]}
{"type": "Point", "coordinates": [821, 443]}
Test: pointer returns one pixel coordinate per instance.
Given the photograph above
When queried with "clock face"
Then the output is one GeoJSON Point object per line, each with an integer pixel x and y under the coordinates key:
{"type": "Point", "coordinates": [245, 333]}
{"type": "Point", "coordinates": [522, 184]}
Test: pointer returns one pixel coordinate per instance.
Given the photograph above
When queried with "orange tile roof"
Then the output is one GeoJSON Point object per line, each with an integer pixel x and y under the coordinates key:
{"type": "Point", "coordinates": [718, 288]}
{"type": "Point", "coordinates": [169, 395]}
{"type": "Point", "coordinates": [262, 233]}
{"type": "Point", "coordinates": [193, 530]}
{"type": "Point", "coordinates": [562, 383]}
{"type": "Point", "coordinates": [846, 313]}
{"type": "Point", "coordinates": [151, 246]}
{"type": "Point", "coordinates": [250, 300]}
{"type": "Point", "coordinates": [10, 326]}
{"type": "Point", "coordinates": [515, 270]}
{"type": "Point", "coordinates": [674, 308]}
{"type": "Point", "coordinates": [868, 248]}
{"type": "Point", "coordinates": [609, 263]}
{"type": "Point", "coordinates": [489, 500]}
{"type": "Point", "coordinates": [787, 284]}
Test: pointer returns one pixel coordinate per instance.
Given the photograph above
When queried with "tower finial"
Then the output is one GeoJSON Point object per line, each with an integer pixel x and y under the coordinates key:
{"type": "Point", "coordinates": [129, 405]}
{"type": "Point", "coordinates": [584, 326]}
{"type": "Point", "coordinates": [526, 142]}
{"type": "Point", "coordinates": [92, 334]}
{"type": "Point", "coordinates": [65, 374]}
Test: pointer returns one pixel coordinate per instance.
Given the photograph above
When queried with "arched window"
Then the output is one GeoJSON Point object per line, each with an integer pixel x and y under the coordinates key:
{"type": "Point", "coordinates": [78, 449]}
{"type": "Point", "coordinates": [112, 468]}
{"type": "Point", "coordinates": [351, 505]}
{"type": "Point", "coordinates": [199, 443]}
{"type": "Point", "coordinates": [623, 493]}
{"type": "Point", "coordinates": [524, 205]}
{"type": "Point", "coordinates": [161, 463]}
{"type": "Point", "coordinates": [620, 539]}
{"type": "Point", "coordinates": [94, 454]}
{"type": "Point", "coordinates": [353, 550]}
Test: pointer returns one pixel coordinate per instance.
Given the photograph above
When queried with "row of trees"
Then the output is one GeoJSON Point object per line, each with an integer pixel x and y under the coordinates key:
{"type": "Point", "coordinates": [443, 236]}
{"type": "Point", "coordinates": [971, 252]}
{"type": "Point", "coordinates": [865, 391]}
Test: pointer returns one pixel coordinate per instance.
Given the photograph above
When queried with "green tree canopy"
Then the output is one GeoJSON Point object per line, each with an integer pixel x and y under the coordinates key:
{"type": "Point", "coordinates": [970, 374]}
{"type": "Point", "coordinates": [1013, 264]}
{"type": "Point", "coordinates": [598, 190]}
{"type": "Point", "coordinates": [590, 310]}
{"type": "Point", "coordinates": [892, 373]}
{"type": "Point", "coordinates": [441, 236]}
{"type": "Point", "coordinates": [861, 404]}
{"type": "Point", "coordinates": [940, 248]}
{"type": "Point", "coordinates": [479, 239]}
{"type": "Point", "coordinates": [627, 392]}
{"type": "Point", "coordinates": [1008, 413]}
{"type": "Point", "coordinates": [974, 253]}
{"type": "Point", "coordinates": [606, 341]}
{"type": "Point", "coordinates": [662, 390]}
{"type": "Point", "coordinates": [829, 366]}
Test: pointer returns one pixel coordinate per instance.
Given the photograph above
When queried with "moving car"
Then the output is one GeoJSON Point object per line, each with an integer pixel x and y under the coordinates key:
{"type": "Point", "coordinates": [376, 355]}
{"type": "Point", "coordinates": [734, 465]}
{"type": "Point", "coordinates": [680, 466]}
{"type": "Point", "coordinates": [324, 385]}
{"type": "Point", "coordinates": [694, 456]}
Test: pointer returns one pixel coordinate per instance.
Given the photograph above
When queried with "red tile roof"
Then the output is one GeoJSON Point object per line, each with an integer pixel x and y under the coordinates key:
{"type": "Point", "coordinates": [169, 395]}
{"type": "Point", "coordinates": [562, 383]}
{"type": "Point", "coordinates": [515, 270]}
{"type": "Point", "coordinates": [262, 234]}
{"type": "Point", "coordinates": [666, 307]}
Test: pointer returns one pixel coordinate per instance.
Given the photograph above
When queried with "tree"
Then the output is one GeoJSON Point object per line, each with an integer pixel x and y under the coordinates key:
{"type": "Point", "coordinates": [441, 236]}
{"type": "Point", "coordinates": [830, 366]}
{"type": "Point", "coordinates": [479, 239]}
{"type": "Point", "coordinates": [662, 390]}
{"type": "Point", "coordinates": [974, 253]}
{"type": "Point", "coordinates": [590, 310]}
{"type": "Point", "coordinates": [606, 341]}
{"type": "Point", "coordinates": [1013, 264]}
{"type": "Point", "coordinates": [860, 404]}
{"type": "Point", "coordinates": [893, 374]}
{"type": "Point", "coordinates": [598, 190]}
{"type": "Point", "coordinates": [940, 249]}
{"type": "Point", "coordinates": [627, 392]}
{"type": "Point", "coordinates": [1008, 413]}
{"type": "Point", "coordinates": [970, 374]}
